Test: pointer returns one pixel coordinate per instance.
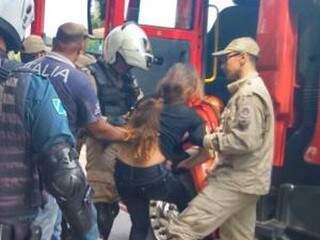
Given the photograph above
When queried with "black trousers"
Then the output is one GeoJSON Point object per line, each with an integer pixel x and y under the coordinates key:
{"type": "Point", "coordinates": [137, 186]}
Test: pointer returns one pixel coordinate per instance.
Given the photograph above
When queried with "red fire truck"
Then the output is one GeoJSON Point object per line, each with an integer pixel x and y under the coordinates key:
{"type": "Point", "coordinates": [288, 33]}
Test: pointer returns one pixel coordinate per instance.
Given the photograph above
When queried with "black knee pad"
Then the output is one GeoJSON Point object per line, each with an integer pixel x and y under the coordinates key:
{"type": "Point", "coordinates": [65, 180]}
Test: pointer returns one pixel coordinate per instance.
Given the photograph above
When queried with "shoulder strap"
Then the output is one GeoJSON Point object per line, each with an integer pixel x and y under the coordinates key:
{"type": "Point", "coordinates": [4, 74]}
{"type": "Point", "coordinates": [9, 68]}
{"type": "Point", "coordinates": [6, 68]}
{"type": "Point", "coordinates": [98, 72]}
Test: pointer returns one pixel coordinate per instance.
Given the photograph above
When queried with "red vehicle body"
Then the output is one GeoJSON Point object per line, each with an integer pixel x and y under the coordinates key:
{"type": "Point", "coordinates": [288, 32]}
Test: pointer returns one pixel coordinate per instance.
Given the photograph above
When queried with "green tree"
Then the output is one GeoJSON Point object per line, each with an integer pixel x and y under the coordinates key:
{"type": "Point", "coordinates": [98, 13]}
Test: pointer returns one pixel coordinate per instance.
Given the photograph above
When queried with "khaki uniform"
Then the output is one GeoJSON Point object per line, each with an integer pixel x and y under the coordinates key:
{"type": "Point", "coordinates": [101, 160]}
{"type": "Point", "coordinates": [244, 142]}
{"type": "Point", "coordinates": [100, 157]}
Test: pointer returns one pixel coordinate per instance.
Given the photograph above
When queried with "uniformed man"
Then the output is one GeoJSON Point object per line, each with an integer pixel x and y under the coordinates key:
{"type": "Point", "coordinates": [126, 46]}
{"type": "Point", "coordinates": [72, 86]}
{"type": "Point", "coordinates": [33, 47]}
{"type": "Point", "coordinates": [49, 215]}
{"type": "Point", "coordinates": [35, 140]}
{"type": "Point", "coordinates": [244, 143]}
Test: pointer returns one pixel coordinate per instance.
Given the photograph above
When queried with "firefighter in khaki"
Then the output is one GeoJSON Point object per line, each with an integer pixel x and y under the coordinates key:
{"type": "Point", "coordinates": [244, 143]}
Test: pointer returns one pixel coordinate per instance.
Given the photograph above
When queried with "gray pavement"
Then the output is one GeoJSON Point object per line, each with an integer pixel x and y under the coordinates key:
{"type": "Point", "coordinates": [121, 227]}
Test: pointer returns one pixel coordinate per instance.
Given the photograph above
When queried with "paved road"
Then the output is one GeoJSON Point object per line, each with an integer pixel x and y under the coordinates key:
{"type": "Point", "coordinates": [121, 227]}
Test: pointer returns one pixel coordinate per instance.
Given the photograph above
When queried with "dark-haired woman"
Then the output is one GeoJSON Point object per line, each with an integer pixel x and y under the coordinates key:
{"type": "Point", "coordinates": [178, 120]}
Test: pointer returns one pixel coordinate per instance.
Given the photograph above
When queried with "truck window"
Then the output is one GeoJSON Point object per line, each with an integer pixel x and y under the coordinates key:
{"type": "Point", "coordinates": [212, 13]}
{"type": "Point", "coordinates": [55, 14]}
{"type": "Point", "coordinates": [178, 13]}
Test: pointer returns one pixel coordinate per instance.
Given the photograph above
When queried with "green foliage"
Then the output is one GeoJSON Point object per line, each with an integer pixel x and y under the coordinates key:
{"type": "Point", "coordinates": [98, 14]}
{"type": "Point", "coordinates": [102, 4]}
{"type": "Point", "coordinates": [95, 46]}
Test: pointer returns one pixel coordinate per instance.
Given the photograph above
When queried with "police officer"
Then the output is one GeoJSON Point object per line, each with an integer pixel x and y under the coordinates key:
{"type": "Point", "coordinates": [35, 140]}
{"type": "Point", "coordinates": [72, 85]}
{"type": "Point", "coordinates": [126, 46]}
{"type": "Point", "coordinates": [244, 143]}
{"type": "Point", "coordinates": [49, 215]}
{"type": "Point", "coordinates": [33, 47]}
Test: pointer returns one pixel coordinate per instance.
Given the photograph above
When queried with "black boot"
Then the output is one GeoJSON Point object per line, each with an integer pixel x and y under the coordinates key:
{"type": "Point", "coordinates": [106, 213]}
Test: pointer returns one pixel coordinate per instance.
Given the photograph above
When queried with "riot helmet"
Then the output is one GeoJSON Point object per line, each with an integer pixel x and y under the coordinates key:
{"type": "Point", "coordinates": [15, 17]}
{"type": "Point", "coordinates": [131, 42]}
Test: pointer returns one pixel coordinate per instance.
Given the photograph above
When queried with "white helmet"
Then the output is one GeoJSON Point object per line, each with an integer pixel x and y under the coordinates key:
{"type": "Point", "coordinates": [15, 17]}
{"type": "Point", "coordinates": [131, 42]}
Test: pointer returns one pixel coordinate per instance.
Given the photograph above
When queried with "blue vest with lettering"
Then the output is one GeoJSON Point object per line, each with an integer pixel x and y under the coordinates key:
{"type": "Point", "coordinates": [65, 79]}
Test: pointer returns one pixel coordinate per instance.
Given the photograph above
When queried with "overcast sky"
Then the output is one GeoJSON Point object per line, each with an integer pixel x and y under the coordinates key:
{"type": "Point", "coordinates": [61, 11]}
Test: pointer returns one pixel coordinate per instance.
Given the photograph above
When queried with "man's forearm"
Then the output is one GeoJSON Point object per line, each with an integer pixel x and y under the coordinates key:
{"type": "Point", "coordinates": [104, 131]}
{"type": "Point", "coordinates": [235, 142]}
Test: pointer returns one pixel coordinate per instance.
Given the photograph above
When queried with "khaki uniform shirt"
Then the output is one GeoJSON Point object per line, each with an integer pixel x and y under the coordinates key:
{"type": "Point", "coordinates": [245, 138]}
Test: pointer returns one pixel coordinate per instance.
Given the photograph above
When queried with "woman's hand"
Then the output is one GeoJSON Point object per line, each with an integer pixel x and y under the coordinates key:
{"type": "Point", "coordinates": [185, 164]}
{"type": "Point", "coordinates": [199, 156]}
{"type": "Point", "coordinates": [168, 164]}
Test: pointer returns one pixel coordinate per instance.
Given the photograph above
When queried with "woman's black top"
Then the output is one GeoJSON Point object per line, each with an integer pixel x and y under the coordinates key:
{"type": "Point", "coordinates": [175, 121]}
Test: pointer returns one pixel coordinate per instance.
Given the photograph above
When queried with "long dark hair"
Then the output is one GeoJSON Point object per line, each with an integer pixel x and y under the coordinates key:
{"type": "Point", "coordinates": [144, 126]}
{"type": "Point", "coordinates": [179, 84]}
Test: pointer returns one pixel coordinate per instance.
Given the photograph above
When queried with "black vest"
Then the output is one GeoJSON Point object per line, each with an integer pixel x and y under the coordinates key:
{"type": "Point", "coordinates": [115, 100]}
{"type": "Point", "coordinates": [19, 179]}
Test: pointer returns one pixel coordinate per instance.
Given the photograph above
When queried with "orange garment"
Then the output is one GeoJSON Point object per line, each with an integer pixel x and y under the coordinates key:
{"type": "Point", "coordinates": [209, 110]}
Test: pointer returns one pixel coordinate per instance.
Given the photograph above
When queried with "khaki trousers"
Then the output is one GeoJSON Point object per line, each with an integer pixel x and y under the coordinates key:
{"type": "Point", "coordinates": [101, 160]}
{"type": "Point", "coordinates": [233, 211]}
